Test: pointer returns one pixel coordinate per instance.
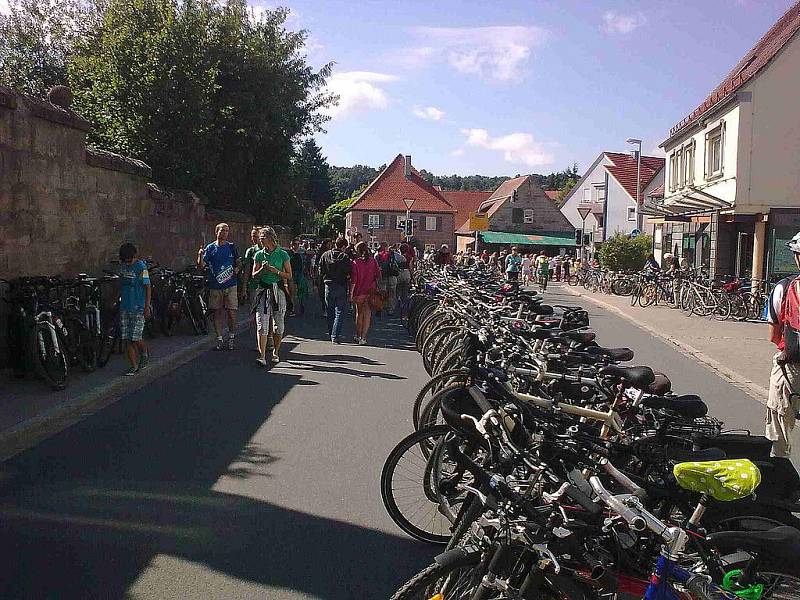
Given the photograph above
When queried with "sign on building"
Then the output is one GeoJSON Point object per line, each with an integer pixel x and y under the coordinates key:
{"type": "Point", "coordinates": [478, 221]}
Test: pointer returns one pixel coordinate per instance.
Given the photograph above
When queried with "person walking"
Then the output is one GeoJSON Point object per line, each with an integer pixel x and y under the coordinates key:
{"type": "Point", "coordinates": [565, 266]}
{"type": "Point", "coordinates": [542, 271]}
{"type": "Point", "coordinates": [783, 317]}
{"type": "Point", "coordinates": [271, 267]}
{"type": "Point", "coordinates": [363, 286]}
{"type": "Point", "coordinates": [390, 271]}
{"type": "Point", "coordinates": [295, 283]}
{"type": "Point", "coordinates": [335, 268]}
{"type": "Point", "coordinates": [250, 285]}
{"type": "Point", "coordinates": [527, 270]}
{"type": "Point", "coordinates": [513, 265]}
{"type": "Point", "coordinates": [557, 261]}
{"type": "Point", "coordinates": [404, 258]}
{"type": "Point", "coordinates": [134, 306]}
{"type": "Point", "coordinates": [326, 245]}
{"type": "Point", "coordinates": [224, 263]}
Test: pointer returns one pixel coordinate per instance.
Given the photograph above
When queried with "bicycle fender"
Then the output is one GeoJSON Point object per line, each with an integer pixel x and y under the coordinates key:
{"type": "Point", "coordinates": [459, 557]}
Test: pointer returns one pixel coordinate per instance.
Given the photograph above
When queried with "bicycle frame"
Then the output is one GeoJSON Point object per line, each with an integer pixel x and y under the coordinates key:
{"type": "Point", "coordinates": [666, 571]}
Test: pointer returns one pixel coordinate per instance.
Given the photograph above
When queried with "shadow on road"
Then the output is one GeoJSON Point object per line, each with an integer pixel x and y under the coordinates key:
{"type": "Point", "coordinates": [85, 512]}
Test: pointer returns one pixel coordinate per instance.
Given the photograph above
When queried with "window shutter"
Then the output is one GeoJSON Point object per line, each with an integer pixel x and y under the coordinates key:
{"type": "Point", "coordinates": [517, 215]}
{"type": "Point", "coordinates": [366, 219]}
{"type": "Point", "coordinates": [438, 223]}
{"type": "Point", "coordinates": [382, 221]}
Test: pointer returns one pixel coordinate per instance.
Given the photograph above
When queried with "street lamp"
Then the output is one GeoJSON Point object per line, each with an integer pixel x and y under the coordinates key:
{"type": "Point", "coordinates": [638, 180]}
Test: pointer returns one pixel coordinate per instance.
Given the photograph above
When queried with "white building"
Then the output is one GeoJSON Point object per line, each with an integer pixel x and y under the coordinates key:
{"type": "Point", "coordinates": [732, 189]}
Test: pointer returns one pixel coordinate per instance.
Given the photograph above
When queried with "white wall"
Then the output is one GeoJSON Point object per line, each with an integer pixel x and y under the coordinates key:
{"type": "Point", "coordinates": [774, 117]}
{"type": "Point", "coordinates": [595, 175]}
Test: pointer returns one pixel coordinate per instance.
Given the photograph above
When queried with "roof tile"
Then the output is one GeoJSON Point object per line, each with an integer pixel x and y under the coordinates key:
{"type": "Point", "coordinates": [465, 202]}
{"type": "Point", "coordinates": [624, 170]}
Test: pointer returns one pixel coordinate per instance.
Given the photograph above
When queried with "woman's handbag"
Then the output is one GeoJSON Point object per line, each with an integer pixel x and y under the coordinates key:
{"type": "Point", "coordinates": [377, 299]}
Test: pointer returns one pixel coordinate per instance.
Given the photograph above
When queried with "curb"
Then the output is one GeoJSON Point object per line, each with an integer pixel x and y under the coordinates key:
{"type": "Point", "coordinates": [751, 389]}
{"type": "Point", "coordinates": [29, 433]}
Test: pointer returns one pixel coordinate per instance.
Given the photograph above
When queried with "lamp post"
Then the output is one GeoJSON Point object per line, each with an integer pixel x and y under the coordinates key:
{"type": "Point", "coordinates": [638, 180]}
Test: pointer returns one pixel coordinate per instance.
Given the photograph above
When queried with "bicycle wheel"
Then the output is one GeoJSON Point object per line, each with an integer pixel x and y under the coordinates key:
{"type": "Point", "coordinates": [201, 312]}
{"type": "Point", "coordinates": [648, 295]}
{"type": "Point", "coordinates": [109, 342]}
{"type": "Point", "coordinates": [435, 384]}
{"type": "Point", "coordinates": [87, 349]}
{"type": "Point", "coordinates": [442, 581]}
{"type": "Point", "coordinates": [50, 361]}
{"type": "Point", "coordinates": [404, 479]}
{"type": "Point", "coordinates": [573, 280]}
{"type": "Point", "coordinates": [722, 308]}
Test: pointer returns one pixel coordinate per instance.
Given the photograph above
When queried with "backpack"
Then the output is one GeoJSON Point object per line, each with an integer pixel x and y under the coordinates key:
{"type": "Point", "coordinates": [339, 268]}
{"type": "Point", "coordinates": [389, 268]}
{"type": "Point", "coordinates": [790, 315]}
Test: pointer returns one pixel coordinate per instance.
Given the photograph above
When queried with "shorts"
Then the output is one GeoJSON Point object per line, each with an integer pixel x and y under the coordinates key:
{"type": "Point", "coordinates": [265, 312]}
{"type": "Point", "coordinates": [131, 325]}
{"type": "Point", "coordinates": [783, 403]}
{"type": "Point", "coordinates": [226, 298]}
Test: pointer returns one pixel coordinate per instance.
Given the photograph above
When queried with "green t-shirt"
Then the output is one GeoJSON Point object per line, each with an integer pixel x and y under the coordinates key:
{"type": "Point", "coordinates": [276, 258]}
{"type": "Point", "coordinates": [248, 262]}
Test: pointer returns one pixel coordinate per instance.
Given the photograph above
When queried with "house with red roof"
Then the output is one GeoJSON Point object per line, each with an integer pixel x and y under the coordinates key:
{"type": "Point", "coordinates": [379, 213]}
{"type": "Point", "coordinates": [520, 213]}
{"type": "Point", "coordinates": [731, 194]}
{"type": "Point", "coordinates": [607, 193]}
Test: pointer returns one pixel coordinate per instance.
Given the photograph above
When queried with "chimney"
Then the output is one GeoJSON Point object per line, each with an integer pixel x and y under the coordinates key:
{"type": "Point", "coordinates": [407, 166]}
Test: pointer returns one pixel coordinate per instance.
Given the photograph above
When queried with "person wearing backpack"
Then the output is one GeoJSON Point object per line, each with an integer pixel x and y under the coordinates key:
{"type": "Point", "coordinates": [783, 401]}
{"type": "Point", "coordinates": [334, 269]}
{"type": "Point", "coordinates": [390, 271]}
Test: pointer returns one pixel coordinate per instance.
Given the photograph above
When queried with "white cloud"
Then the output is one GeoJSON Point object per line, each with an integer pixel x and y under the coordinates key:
{"type": "Point", "coordinates": [4, 9]}
{"type": "Point", "coordinates": [517, 148]}
{"type": "Point", "coordinates": [614, 22]}
{"type": "Point", "coordinates": [499, 52]}
{"type": "Point", "coordinates": [430, 113]}
{"type": "Point", "coordinates": [358, 91]}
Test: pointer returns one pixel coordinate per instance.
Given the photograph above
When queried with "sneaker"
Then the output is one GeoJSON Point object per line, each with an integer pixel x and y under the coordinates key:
{"type": "Point", "coordinates": [220, 344]}
{"type": "Point", "coordinates": [131, 372]}
{"type": "Point", "coordinates": [356, 339]}
{"type": "Point", "coordinates": [261, 361]}
{"type": "Point", "coordinates": [143, 360]}
{"type": "Point", "coordinates": [362, 342]}
{"type": "Point", "coordinates": [230, 344]}
{"type": "Point", "coordinates": [336, 341]}
{"type": "Point", "coordinates": [275, 358]}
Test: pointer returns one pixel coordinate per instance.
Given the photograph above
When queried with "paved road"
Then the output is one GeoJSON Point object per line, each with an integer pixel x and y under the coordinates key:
{"type": "Point", "coordinates": [222, 480]}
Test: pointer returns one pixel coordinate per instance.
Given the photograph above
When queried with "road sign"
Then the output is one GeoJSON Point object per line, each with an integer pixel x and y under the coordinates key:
{"type": "Point", "coordinates": [409, 202]}
{"type": "Point", "coordinates": [584, 211]}
{"type": "Point", "coordinates": [478, 221]}
{"type": "Point", "coordinates": [635, 233]}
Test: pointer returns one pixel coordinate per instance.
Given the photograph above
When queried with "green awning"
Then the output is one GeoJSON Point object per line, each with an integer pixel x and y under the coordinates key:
{"type": "Point", "coordinates": [501, 237]}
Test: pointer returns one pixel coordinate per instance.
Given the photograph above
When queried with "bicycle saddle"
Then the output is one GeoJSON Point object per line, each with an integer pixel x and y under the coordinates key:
{"type": "Point", "coordinates": [688, 405]}
{"type": "Point", "coordinates": [582, 337]}
{"type": "Point", "coordinates": [621, 354]}
{"type": "Point", "coordinates": [723, 480]}
{"type": "Point", "coordinates": [780, 544]}
{"type": "Point", "coordinates": [636, 376]}
{"type": "Point", "coordinates": [546, 334]}
{"type": "Point", "coordinates": [662, 385]}
{"type": "Point", "coordinates": [542, 309]}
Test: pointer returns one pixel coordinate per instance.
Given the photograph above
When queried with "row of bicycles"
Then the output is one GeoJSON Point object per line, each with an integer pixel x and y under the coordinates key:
{"type": "Point", "coordinates": [691, 291]}
{"type": "Point", "coordinates": [59, 323]}
{"type": "Point", "coordinates": [545, 467]}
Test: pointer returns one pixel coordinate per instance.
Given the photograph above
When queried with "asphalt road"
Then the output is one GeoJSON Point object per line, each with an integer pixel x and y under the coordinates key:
{"type": "Point", "coordinates": [224, 480]}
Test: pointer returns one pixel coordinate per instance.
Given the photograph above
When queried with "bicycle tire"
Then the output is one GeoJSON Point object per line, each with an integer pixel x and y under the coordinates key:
{"type": "Point", "coordinates": [572, 280]}
{"type": "Point", "coordinates": [186, 308]}
{"type": "Point", "coordinates": [420, 501]}
{"type": "Point", "coordinates": [108, 342]}
{"type": "Point", "coordinates": [430, 346]}
{"type": "Point", "coordinates": [431, 385]}
{"type": "Point", "coordinates": [50, 364]}
{"type": "Point", "coordinates": [200, 313]}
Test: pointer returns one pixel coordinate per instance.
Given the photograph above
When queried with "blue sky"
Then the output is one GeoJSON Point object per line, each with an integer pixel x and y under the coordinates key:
{"type": "Point", "coordinates": [509, 87]}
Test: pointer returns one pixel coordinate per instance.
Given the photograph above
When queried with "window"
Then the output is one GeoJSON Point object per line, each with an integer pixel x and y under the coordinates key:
{"type": "Point", "coordinates": [714, 152]}
{"type": "Point", "coordinates": [517, 215]}
{"type": "Point", "coordinates": [631, 213]}
{"type": "Point", "coordinates": [430, 223]}
{"type": "Point", "coordinates": [674, 171]}
{"type": "Point", "coordinates": [430, 247]}
{"type": "Point", "coordinates": [374, 221]}
{"type": "Point", "coordinates": [528, 218]}
{"type": "Point", "coordinates": [599, 193]}
{"type": "Point", "coordinates": [687, 169]}
{"type": "Point", "coordinates": [587, 195]}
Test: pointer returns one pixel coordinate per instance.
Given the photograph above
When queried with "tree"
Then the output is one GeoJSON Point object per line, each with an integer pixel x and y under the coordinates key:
{"type": "Point", "coordinates": [37, 38]}
{"type": "Point", "coordinates": [623, 253]}
{"type": "Point", "coordinates": [346, 180]}
{"type": "Point", "coordinates": [332, 221]}
{"type": "Point", "coordinates": [312, 178]}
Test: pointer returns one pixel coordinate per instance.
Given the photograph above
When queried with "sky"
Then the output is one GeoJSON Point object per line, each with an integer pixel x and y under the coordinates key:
{"type": "Point", "coordinates": [517, 86]}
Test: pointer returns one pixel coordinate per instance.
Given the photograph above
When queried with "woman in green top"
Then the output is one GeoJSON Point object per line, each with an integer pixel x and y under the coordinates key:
{"type": "Point", "coordinates": [270, 266]}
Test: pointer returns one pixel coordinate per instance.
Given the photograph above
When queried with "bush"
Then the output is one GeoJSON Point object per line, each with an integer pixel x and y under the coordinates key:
{"type": "Point", "coordinates": [621, 253]}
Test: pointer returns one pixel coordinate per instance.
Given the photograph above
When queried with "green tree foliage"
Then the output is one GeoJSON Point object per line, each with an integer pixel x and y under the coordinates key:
{"type": "Point", "coordinates": [622, 253]}
{"type": "Point", "coordinates": [481, 183]}
{"type": "Point", "coordinates": [331, 222]}
{"type": "Point", "coordinates": [37, 38]}
{"type": "Point", "coordinates": [210, 97]}
{"type": "Point", "coordinates": [346, 180]}
{"type": "Point", "coordinates": [312, 176]}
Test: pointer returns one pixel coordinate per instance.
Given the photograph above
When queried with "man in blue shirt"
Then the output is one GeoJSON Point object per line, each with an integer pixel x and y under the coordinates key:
{"type": "Point", "coordinates": [223, 262]}
{"type": "Point", "coordinates": [134, 305]}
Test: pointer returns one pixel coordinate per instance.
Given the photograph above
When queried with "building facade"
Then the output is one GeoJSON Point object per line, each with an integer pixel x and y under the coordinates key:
{"type": "Point", "coordinates": [379, 213]}
{"type": "Point", "coordinates": [732, 191]}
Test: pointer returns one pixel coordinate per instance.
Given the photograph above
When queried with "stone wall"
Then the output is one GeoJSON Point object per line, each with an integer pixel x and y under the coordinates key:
{"type": "Point", "coordinates": [547, 217]}
{"type": "Point", "coordinates": [66, 208]}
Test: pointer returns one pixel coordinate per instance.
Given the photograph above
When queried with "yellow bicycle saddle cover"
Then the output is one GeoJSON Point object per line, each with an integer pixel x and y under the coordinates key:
{"type": "Point", "coordinates": [723, 480]}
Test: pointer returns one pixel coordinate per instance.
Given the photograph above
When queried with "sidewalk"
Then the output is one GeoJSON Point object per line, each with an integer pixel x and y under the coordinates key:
{"type": "Point", "coordinates": [31, 412]}
{"type": "Point", "coordinates": [737, 351]}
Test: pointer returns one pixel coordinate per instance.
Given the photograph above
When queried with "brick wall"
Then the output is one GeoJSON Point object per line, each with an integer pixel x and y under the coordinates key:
{"type": "Point", "coordinates": [65, 209]}
{"type": "Point", "coordinates": [389, 232]}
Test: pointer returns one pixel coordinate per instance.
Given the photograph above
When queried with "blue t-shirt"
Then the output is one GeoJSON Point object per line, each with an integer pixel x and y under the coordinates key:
{"type": "Point", "coordinates": [513, 263]}
{"type": "Point", "coordinates": [134, 278]}
{"type": "Point", "coordinates": [221, 261]}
